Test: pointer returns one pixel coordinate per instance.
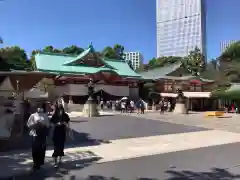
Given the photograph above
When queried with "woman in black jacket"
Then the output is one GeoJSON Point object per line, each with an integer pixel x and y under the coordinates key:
{"type": "Point", "coordinates": [60, 120]}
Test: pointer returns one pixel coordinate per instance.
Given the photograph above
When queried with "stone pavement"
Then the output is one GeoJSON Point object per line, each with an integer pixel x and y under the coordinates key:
{"type": "Point", "coordinates": [102, 113]}
{"type": "Point", "coordinates": [130, 137]}
{"type": "Point", "coordinates": [122, 149]}
{"type": "Point", "coordinates": [229, 122]}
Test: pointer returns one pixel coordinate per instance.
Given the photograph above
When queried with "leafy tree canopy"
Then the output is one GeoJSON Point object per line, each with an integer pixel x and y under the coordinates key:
{"type": "Point", "coordinates": [232, 53]}
{"type": "Point", "coordinates": [162, 61]}
{"type": "Point", "coordinates": [14, 58]}
{"type": "Point", "coordinates": [115, 52]}
{"type": "Point", "coordinates": [194, 62]}
{"type": "Point", "coordinates": [72, 50]}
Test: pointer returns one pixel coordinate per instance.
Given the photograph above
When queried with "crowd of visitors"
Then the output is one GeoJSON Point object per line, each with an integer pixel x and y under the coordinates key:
{"type": "Point", "coordinates": [124, 105]}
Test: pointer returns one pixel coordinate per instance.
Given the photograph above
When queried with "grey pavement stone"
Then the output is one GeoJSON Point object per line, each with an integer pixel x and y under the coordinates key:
{"type": "Point", "coordinates": [19, 165]}
{"type": "Point", "coordinates": [212, 163]}
{"type": "Point", "coordinates": [123, 127]}
{"type": "Point", "coordinates": [231, 122]}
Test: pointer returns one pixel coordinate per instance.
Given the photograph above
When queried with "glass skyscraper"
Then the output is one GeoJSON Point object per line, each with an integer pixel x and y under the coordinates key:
{"type": "Point", "coordinates": [181, 26]}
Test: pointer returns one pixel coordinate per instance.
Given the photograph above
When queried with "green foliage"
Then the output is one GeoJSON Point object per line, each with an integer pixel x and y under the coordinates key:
{"type": "Point", "coordinates": [232, 53]}
{"type": "Point", "coordinates": [119, 50]}
{"type": "Point", "coordinates": [162, 61]}
{"type": "Point", "coordinates": [229, 63]}
{"type": "Point", "coordinates": [226, 95]}
{"type": "Point", "coordinates": [72, 50]}
{"type": "Point", "coordinates": [194, 62]}
{"type": "Point", "coordinates": [116, 52]}
{"type": "Point", "coordinates": [14, 58]}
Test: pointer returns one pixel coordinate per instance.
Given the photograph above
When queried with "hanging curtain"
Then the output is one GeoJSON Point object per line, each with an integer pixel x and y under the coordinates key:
{"type": "Point", "coordinates": [113, 90]}
{"type": "Point", "coordinates": [82, 90]}
{"type": "Point", "coordinates": [76, 90]}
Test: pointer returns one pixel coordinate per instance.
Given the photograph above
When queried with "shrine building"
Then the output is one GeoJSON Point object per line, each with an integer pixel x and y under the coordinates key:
{"type": "Point", "coordinates": [114, 78]}
{"type": "Point", "coordinates": [196, 89]}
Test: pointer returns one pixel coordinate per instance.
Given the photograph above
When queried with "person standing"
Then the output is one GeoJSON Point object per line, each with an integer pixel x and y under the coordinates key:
{"type": "Point", "coordinates": [131, 106]}
{"type": "Point", "coordinates": [102, 104]}
{"type": "Point", "coordinates": [142, 106]}
{"type": "Point", "coordinates": [162, 107]}
{"type": "Point", "coordinates": [60, 121]}
{"type": "Point", "coordinates": [123, 106]}
{"type": "Point", "coordinates": [38, 123]}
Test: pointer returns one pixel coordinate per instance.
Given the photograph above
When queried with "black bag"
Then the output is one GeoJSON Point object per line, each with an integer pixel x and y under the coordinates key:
{"type": "Point", "coordinates": [42, 130]}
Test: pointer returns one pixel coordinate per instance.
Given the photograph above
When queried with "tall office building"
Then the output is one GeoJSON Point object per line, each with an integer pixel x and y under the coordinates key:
{"type": "Point", "coordinates": [225, 44]}
{"type": "Point", "coordinates": [181, 26]}
{"type": "Point", "coordinates": [135, 58]}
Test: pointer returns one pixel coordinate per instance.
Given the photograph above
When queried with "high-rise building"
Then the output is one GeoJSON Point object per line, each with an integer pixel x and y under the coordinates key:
{"type": "Point", "coordinates": [135, 58]}
{"type": "Point", "coordinates": [225, 44]}
{"type": "Point", "coordinates": [181, 26]}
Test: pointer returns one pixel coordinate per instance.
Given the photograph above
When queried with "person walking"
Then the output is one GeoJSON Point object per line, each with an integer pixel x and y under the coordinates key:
{"type": "Point", "coordinates": [162, 107]}
{"type": "Point", "coordinates": [142, 106]}
{"type": "Point", "coordinates": [123, 106]}
{"type": "Point", "coordinates": [38, 123]}
{"type": "Point", "coordinates": [102, 104]}
{"type": "Point", "coordinates": [60, 121]}
{"type": "Point", "coordinates": [132, 106]}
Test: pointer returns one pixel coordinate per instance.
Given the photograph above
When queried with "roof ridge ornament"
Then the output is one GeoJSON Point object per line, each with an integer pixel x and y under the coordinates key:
{"type": "Point", "coordinates": [90, 45]}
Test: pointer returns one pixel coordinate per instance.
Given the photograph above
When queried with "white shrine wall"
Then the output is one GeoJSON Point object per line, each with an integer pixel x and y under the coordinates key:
{"type": "Point", "coordinates": [81, 90]}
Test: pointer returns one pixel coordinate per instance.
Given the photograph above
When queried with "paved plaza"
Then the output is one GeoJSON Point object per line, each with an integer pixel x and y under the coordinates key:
{"type": "Point", "coordinates": [153, 146]}
{"type": "Point", "coordinates": [229, 122]}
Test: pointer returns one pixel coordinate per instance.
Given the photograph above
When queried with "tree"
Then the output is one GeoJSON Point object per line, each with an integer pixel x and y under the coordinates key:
{"type": "Point", "coordinates": [117, 52]}
{"type": "Point", "coordinates": [232, 53]}
{"type": "Point", "coordinates": [74, 50]}
{"type": "Point", "coordinates": [14, 58]}
{"type": "Point", "coordinates": [153, 62]}
{"type": "Point", "coordinates": [162, 61]}
{"type": "Point", "coordinates": [194, 62]}
{"type": "Point", "coordinates": [51, 49]}
{"type": "Point", "coordinates": [229, 63]}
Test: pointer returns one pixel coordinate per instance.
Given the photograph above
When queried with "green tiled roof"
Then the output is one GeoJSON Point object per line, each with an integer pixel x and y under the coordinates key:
{"type": "Point", "coordinates": [159, 73]}
{"type": "Point", "coordinates": [162, 73]}
{"type": "Point", "coordinates": [90, 49]}
{"type": "Point", "coordinates": [64, 64]}
{"type": "Point", "coordinates": [234, 87]}
{"type": "Point", "coordinates": [122, 68]}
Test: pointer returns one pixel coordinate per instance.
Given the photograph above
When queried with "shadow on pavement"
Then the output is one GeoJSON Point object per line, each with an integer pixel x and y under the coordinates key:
{"type": "Point", "coordinates": [49, 172]}
{"type": "Point", "coordinates": [80, 139]}
{"type": "Point", "coordinates": [18, 166]}
{"type": "Point", "coordinates": [214, 174]}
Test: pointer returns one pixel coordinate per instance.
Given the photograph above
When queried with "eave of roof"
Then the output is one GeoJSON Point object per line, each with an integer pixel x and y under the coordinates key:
{"type": "Point", "coordinates": [159, 73]}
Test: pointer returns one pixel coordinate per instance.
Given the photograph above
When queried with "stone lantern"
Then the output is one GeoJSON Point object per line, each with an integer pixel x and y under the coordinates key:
{"type": "Point", "coordinates": [90, 107]}
{"type": "Point", "coordinates": [180, 107]}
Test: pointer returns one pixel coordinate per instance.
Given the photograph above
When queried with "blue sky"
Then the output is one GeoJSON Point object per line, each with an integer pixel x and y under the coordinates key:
{"type": "Point", "coordinates": [33, 24]}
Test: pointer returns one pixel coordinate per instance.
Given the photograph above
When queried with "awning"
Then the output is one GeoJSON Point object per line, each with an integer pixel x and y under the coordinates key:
{"type": "Point", "coordinates": [197, 94]}
{"type": "Point", "coordinates": [189, 94]}
{"type": "Point", "coordinates": [168, 94]}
